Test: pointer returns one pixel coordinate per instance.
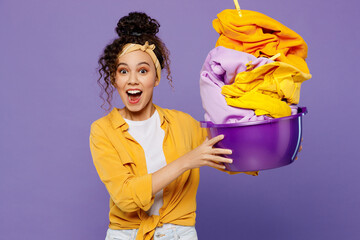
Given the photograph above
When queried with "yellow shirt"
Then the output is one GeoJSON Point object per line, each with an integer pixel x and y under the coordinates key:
{"type": "Point", "coordinates": [121, 165]}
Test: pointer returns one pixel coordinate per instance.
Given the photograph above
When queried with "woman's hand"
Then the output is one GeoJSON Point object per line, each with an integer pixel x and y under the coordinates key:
{"type": "Point", "coordinates": [203, 155]}
{"type": "Point", "coordinates": [206, 155]}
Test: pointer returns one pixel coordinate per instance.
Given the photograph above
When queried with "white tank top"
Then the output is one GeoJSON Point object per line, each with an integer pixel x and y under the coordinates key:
{"type": "Point", "coordinates": [150, 136]}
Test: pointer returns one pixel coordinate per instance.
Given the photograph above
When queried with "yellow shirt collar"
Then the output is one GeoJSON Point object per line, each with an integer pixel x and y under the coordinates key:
{"type": "Point", "coordinates": [118, 121]}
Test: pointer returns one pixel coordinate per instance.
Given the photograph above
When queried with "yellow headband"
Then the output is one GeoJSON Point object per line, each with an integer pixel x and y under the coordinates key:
{"type": "Point", "coordinates": [130, 47]}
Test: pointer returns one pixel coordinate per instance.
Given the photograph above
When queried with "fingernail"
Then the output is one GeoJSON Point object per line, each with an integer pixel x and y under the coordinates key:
{"type": "Point", "coordinates": [231, 161]}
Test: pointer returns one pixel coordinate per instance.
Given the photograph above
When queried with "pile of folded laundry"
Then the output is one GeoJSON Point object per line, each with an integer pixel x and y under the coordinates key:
{"type": "Point", "coordinates": [255, 71]}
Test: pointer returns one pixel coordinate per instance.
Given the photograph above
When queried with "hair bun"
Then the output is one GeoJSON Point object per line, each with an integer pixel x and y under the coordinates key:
{"type": "Point", "coordinates": [136, 24]}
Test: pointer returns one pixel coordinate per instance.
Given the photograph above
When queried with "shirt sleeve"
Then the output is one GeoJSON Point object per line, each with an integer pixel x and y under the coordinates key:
{"type": "Point", "coordinates": [129, 192]}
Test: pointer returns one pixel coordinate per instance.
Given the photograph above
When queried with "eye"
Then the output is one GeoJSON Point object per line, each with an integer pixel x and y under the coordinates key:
{"type": "Point", "coordinates": [123, 71]}
{"type": "Point", "coordinates": [143, 71]}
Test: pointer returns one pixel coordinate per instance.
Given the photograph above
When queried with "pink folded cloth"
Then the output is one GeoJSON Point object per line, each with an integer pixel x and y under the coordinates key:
{"type": "Point", "coordinates": [294, 109]}
{"type": "Point", "coordinates": [220, 68]}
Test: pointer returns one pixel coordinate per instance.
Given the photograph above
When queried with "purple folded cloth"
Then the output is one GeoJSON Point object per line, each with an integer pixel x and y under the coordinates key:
{"type": "Point", "coordinates": [221, 67]}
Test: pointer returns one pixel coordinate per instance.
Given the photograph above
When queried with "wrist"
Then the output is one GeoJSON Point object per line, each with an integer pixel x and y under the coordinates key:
{"type": "Point", "coordinates": [182, 164]}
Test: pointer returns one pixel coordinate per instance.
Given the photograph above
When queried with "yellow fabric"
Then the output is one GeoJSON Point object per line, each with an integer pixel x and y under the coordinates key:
{"type": "Point", "coordinates": [149, 49]}
{"type": "Point", "coordinates": [260, 35]}
{"type": "Point", "coordinates": [267, 89]}
{"type": "Point", "coordinates": [262, 104]}
{"type": "Point", "coordinates": [121, 165]}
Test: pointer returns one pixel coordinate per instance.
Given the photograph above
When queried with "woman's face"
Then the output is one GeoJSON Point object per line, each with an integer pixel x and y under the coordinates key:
{"type": "Point", "coordinates": [135, 80]}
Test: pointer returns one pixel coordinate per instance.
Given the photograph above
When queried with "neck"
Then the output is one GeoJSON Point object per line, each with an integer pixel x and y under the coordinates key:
{"type": "Point", "coordinates": [141, 115]}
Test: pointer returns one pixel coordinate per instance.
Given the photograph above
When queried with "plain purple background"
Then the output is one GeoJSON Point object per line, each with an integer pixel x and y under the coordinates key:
{"type": "Point", "coordinates": [49, 97]}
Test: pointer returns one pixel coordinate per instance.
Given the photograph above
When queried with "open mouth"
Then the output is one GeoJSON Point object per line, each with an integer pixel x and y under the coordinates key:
{"type": "Point", "coordinates": [134, 95]}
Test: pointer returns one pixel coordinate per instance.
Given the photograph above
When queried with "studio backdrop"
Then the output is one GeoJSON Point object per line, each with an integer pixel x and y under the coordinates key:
{"type": "Point", "coordinates": [49, 188]}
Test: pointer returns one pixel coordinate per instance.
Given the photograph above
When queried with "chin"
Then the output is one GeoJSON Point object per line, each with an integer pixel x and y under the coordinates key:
{"type": "Point", "coordinates": [134, 109]}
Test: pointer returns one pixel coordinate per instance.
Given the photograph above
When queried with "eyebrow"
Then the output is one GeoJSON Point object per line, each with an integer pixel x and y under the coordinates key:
{"type": "Point", "coordinates": [137, 64]}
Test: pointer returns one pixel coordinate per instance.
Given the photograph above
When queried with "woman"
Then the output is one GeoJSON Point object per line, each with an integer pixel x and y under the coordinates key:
{"type": "Point", "coordinates": [147, 157]}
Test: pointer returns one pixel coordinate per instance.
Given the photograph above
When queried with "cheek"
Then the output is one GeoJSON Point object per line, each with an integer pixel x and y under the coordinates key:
{"type": "Point", "coordinates": [119, 83]}
{"type": "Point", "coordinates": [150, 85]}
{"type": "Point", "coordinates": [150, 82]}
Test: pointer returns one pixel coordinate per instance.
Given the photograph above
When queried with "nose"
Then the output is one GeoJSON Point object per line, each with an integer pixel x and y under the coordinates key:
{"type": "Point", "coordinates": [133, 79]}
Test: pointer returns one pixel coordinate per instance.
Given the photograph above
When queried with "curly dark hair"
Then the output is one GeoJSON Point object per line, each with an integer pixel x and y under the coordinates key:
{"type": "Point", "coordinates": [137, 27]}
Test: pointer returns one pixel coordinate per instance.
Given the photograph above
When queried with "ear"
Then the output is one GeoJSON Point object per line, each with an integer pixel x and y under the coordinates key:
{"type": "Point", "coordinates": [157, 81]}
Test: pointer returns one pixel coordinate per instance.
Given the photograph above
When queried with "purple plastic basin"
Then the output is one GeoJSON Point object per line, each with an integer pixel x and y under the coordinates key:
{"type": "Point", "coordinates": [260, 145]}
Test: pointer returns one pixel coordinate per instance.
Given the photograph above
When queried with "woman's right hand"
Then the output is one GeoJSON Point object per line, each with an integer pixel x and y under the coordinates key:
{"type": "Point", "coordinates": [206, 155]}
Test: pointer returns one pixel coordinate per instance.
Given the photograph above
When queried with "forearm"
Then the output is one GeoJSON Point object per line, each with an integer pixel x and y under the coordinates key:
{"type": "Point", "coordinates": [203, 155]}
{"type": "Point", "coordinates": [167, 174]}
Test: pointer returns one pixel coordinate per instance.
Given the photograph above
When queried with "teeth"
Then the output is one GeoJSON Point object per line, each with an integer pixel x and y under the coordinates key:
{"type": "Point", "coordinates": [134, 91]}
